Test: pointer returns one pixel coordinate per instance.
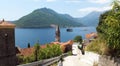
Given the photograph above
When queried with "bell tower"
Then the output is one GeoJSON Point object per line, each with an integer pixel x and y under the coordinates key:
{"type": "Point", "coordinates": [57, 38]}
{"type": "Point", "coordinates": [7, 44]}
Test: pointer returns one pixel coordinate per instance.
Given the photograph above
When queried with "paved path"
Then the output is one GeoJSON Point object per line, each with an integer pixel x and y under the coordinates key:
{"type": "Point", "coordinates": [81, 60]}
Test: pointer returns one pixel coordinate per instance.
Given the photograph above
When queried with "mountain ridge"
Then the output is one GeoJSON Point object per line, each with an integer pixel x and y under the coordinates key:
{"type": "Point", "coordinates": [92, 19]}
{"type": "Point", "coordinates": [44, 17]}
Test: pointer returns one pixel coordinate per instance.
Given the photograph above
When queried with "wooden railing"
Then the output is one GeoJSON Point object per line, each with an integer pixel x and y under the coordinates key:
{"type": "Point", "coordinates": [45, 62]}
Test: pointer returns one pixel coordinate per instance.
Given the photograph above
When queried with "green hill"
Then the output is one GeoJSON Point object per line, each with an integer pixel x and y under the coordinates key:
{"type": "Point", "coordinates": [44, 17]}
{"type": "Point", "coordinates": [91, 19]}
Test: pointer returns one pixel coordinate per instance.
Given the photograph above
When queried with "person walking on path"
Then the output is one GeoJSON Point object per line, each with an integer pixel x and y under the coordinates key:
{"type": "Point", "coordinates": [81, 47]}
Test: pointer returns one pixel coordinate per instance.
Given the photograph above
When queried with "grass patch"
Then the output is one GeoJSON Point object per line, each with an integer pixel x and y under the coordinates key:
{"type": "Point", "coordinates": [97, 46]}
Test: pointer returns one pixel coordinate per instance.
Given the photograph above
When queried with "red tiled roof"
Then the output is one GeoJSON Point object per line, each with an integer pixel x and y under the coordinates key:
{"type": "Point", "coordinates": [88, 36]}
{"type": "Point", "coordinates": [64, 45]}
{"type": "Point", "coordinates": [29, 51]}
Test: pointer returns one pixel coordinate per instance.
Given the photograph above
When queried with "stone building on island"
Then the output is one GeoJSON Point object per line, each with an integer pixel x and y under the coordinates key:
{"type": "Point", "coordinates": [7, 44]}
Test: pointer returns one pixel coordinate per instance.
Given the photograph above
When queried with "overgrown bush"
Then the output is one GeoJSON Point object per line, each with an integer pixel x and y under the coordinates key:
{"type": "Point", "coordinates": [98, 46]}
{"type": "Point", "coordinates": [41, 53]}
{"type": "Point", "coordinates": [28, 59]}
{"type": "Point", "coordinates": [78, 39]}
{"type": "Point", "coordinates": [24, 60]}
{"type": "Point", "coordinates": [50, 51]}
{"type": "Point", "coordinates": [36, 51]}
{"type": "Point", "coordinates": [109, 29]}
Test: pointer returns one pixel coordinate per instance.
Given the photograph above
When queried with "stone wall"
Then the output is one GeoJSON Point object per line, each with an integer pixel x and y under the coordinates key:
{"type": "Point", "coordinates": [7, 47]}
{"type": "Point", "coordinates": [8, 60]}
{"type": "Point", "coordinates": [7, 43]}
{"type": "Point", "coordinates": [108, 61]}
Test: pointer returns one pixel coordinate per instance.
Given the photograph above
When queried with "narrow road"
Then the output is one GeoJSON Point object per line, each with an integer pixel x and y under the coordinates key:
{"type": "Point", "coordinates": [81, 60]}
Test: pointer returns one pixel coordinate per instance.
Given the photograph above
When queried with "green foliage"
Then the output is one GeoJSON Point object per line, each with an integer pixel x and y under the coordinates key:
{"type": "Point", "coordinates": [44, 17]}
{"type": "Point", "coordinates": [50, 51]}
{"type": "Point", "coordinates": [19, 59]}
{"type": "Point", "coordinates": [97, 46]}
{"type": "Point", "coordinates": [116, 5]}
{"type": "Point", "coordinates": [109, 29]}
{"type": "Point", "coordinates": [78, 39]}
{"type": "Point", "coordinates": [28, 59]}
{"type": "Point", "coordinates": [41, 53]}
{"type": "Point", "coordinates": [36, 51]}
{"type": "Point", "coordinates": [24, 60]}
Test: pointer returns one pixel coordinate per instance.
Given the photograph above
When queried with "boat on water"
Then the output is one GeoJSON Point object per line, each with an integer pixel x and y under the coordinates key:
{"type": "Point", "coordinates": [69, 30]}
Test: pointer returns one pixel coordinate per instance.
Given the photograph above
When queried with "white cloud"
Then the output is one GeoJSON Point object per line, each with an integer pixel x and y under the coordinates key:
{"type": "Point", "coordinates": [73, 1]}
{"type": "Point", "coordinates": [90, 9]}
{"type": "Point", "coordinates": [99, 1]}
{"type": "Point", "coordinates": [51, 0]}
{"type": "Point", "coordinates": [86, 11]}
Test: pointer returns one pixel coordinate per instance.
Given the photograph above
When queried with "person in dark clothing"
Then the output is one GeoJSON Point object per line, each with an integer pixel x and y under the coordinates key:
{"type": "Point", "coordinates": [81, 47]}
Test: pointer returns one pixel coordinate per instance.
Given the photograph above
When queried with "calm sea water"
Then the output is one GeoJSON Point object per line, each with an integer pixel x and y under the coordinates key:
{"type": "Point", "coordinates": [47, 35]}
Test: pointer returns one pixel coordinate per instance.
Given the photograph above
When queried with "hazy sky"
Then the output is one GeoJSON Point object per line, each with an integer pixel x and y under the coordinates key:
{"type": "Point", "coordinates": [15, 9]}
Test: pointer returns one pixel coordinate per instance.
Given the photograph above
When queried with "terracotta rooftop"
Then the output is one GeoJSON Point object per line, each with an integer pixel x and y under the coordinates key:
{"type": "Point", "coordinates": [29, 51]}
{"type": "Point", "coordinates": [5, 24]}
{"type": "Point", "coordinates": [91, 35]}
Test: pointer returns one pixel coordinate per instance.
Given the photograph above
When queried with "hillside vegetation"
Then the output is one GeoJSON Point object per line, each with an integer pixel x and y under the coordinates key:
{"type": "Point", "coordinates": [44, 17]}
{"type": "Point", "coordinates": [109, 32]}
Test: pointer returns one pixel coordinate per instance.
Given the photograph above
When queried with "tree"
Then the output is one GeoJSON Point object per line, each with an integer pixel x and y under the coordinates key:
{"type": "Point", "coordinates": [28, 45]}
{"type": "Point", "coordinates": [109, 28]}
{"type": "Point", "coordinates": [36, 51]}
{"type": "Point", "coordinates": [78, 39]}
{"type": "Point", "coordinates": [116, 6]}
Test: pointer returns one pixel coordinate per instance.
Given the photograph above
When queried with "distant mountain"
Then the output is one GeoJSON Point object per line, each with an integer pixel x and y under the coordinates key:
{"type": "Point", "coordinates": [44, 17]}
{"type": "Point", "coordinates": [91, 19]}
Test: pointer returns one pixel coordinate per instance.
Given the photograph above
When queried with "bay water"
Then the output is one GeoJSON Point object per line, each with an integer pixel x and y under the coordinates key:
{"type": "Point", "coordinates": [24, 36]}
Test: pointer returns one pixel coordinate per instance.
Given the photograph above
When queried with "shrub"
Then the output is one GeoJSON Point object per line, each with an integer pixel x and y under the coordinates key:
{"type": "Point", "coordinates": [78, 39]}
{"type": "Point", "coordinates": [109, 29]}
{"type": "Point", "coordinates": [41, 53]}
{"type": "Point", "coordinates": [36, 51]}
{"type": "Point", "coordinates": [24, 60]}
{"type": "Point", "coordinates": [50, 51]}
{"type": "Point", "coordinates": [19, 59]}
{"type": "Point", "coordinates": [28, 59]}
{"type": "Point", "coordinates": [98, 46]}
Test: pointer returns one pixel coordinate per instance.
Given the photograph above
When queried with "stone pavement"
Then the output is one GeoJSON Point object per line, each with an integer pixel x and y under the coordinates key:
{"type": "Point", "coordinates": [81, 60]}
